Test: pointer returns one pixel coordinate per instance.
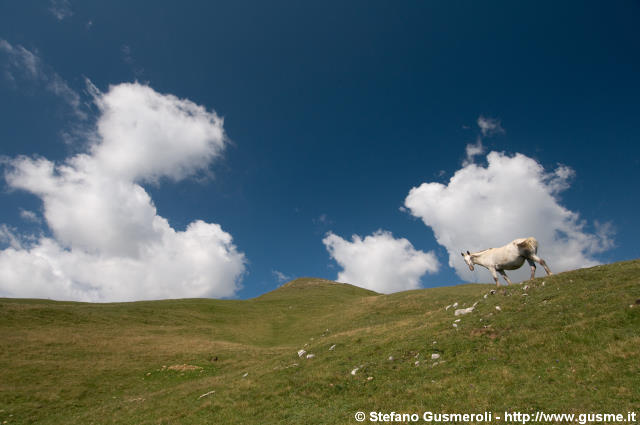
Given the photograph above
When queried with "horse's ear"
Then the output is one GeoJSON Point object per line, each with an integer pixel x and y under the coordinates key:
{"type": "Point", "coordinates": [468, 253]}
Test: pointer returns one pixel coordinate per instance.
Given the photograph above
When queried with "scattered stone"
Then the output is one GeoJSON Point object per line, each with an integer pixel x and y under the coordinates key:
{"type": "Point", "coordinates": [245, 375]}
{"type": "Point", "coordinates": [353, 372]}
{"type": "Point", "coordinates": [148, 373]}
{"type": "Point", "coordinates": [457, 321]}
{"type": "Point", "coordinates": [543, 283]}
{"type": "Point", "coordinates": [485, 296]}
{"type": "Point", "coordinates": [498, 308]}
{"type": "Point", "coordinates": [390, 358]}
{"type": "Point", "coordinates": [435, 356]}
{"type": "Point", "coordinates": [310, 356]}
{"type": "Point", "coordinates": [454, 305]}
{"type": "Point", "coordinates": [435, 342]}
{"type": "Point", "coordinates": [370, 378]}
{"type": "Point", "coordinates": [448, 307]}
{"type": "Point", "coordinates": [417, 363]}
{"type": "Point", "coordinates": [455, 325]}
{"type": "Point", "coordinates": [183, 367]}
{"type": "Point", "coordinates": [525, 287]}
{"type": "Point", "coordinates": [332, 347]}
{"type": "Point", "coordinates": [524, 295]}
{"type": "Point", "coordinates": [302, 353]}
{"type": "Point", "coordinates": [206, 394]}
{"type": "Point", "coordinates": [462, 311]}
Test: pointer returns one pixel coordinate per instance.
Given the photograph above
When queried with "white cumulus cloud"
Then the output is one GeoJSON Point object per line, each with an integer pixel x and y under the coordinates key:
{"type": "Point", "coordinates": [380, 262]}
{"type": "Point", "coordinates": [108, 243]}
{"type": "Point", "coordinates": [512, 197]}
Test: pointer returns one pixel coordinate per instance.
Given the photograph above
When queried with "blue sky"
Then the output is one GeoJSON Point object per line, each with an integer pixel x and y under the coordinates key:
{"type": "Point", "coordinates": [332, 113]}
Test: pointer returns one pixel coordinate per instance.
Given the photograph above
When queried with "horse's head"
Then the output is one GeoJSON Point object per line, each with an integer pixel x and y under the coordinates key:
{"type": "Point", "coordinates": [467, 259]}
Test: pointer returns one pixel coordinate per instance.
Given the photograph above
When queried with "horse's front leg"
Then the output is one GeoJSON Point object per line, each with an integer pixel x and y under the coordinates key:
{"type": "Point", "coordinates": [494, 274]}
{"type": "Point", "coordinates": [502, 272]}
{"type": "Point", "coordinates": [542, 263]}
{"type": "Point", "coordinates": [533, 268]}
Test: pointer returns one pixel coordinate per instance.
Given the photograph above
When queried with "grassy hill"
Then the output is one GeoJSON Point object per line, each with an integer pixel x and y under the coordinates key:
{"type": "Point", "coordinates": [567, 343]}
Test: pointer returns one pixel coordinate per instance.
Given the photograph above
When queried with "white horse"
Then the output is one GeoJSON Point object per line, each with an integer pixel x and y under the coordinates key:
{"type": "Point", "coordinates": [509, 257]}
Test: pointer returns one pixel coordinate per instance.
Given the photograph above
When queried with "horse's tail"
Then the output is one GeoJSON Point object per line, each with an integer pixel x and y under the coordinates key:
{"type": "Point", "coordinates": [530, 244]}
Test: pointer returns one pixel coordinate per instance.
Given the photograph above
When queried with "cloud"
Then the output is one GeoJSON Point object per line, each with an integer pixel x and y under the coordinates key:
{"type": "Point", "coordinates": [512, 197]}
{"type": "Point", "coordinates": [22, 65]}
{"type": "Point", "coordinates": [472, 151]}
{"type": "Point", "coordinates": [489, 126]}
{"type": "Point", "coordinates": [108, 243]}
{"type": "Point", "coordinates": [61, 9]}
{"type": "Point", "coordinates": [380, 262]}
{"type": "Point", "coordinates": [29, 216]}
{"type": "Point", "coordinates": [280, 276]}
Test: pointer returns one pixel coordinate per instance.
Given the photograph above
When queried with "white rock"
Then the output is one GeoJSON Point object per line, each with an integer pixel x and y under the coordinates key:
{"type": "Point", "coordinates": [245, 375]}
{"type": "Point", "coordinates": [390, 358]}
{"type": "Point", "coordinates": [457, 321]}
{"type": "Point", "coordinates": [485, 296]}
{"type": "Point", "coordinates": [370, 378]}
{"type": "Point", "coordinates": [455, 325]}
{"type": "Point", "coordinates": [454, 305]}
{"type": "Point", "coordinates": [448, 307]}
{"type": "Point", "coordinates": [302, 353]}
{"type": "Point", "coordinates": [417, 363]}
{"type": "Point", "coordinates": [207, 394]}
{"type": "Point", "coordinates": [498, 308]}
{"type": "Point", "coordinates": [332, 347]}
{"type": "Point", "coordinates": [435, 342]}
{"type": "Point", "coordinates": [525, 287]}
{"type": "Point", "coordinates": [435, 356]}
{"type": "Point", "coordinates": [310, 356]}
{"type": "Point", "coordinates": [462, 311]}
{"type": "Point", "coordinates": [353, 372]}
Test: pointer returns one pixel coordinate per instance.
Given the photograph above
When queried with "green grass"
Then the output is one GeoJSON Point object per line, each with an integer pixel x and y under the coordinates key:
{"type": "Point", "coordinates": [572, 345]}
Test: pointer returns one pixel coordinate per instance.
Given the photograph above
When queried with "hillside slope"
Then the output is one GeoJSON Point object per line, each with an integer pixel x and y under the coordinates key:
{"type": "Point", "coordinates": [566, 343]}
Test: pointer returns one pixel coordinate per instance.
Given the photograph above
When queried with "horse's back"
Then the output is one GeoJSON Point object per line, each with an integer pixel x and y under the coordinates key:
{"type": "Point", "coordinates": [529, 244]}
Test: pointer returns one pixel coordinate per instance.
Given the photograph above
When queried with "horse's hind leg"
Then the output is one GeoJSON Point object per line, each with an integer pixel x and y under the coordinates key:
{"type": "Point", "coordinates": [533, 268]}
{"type": "Point", "coordinates": [542, 263]}
{"type": "Point", "coordinates": [505, 276]}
